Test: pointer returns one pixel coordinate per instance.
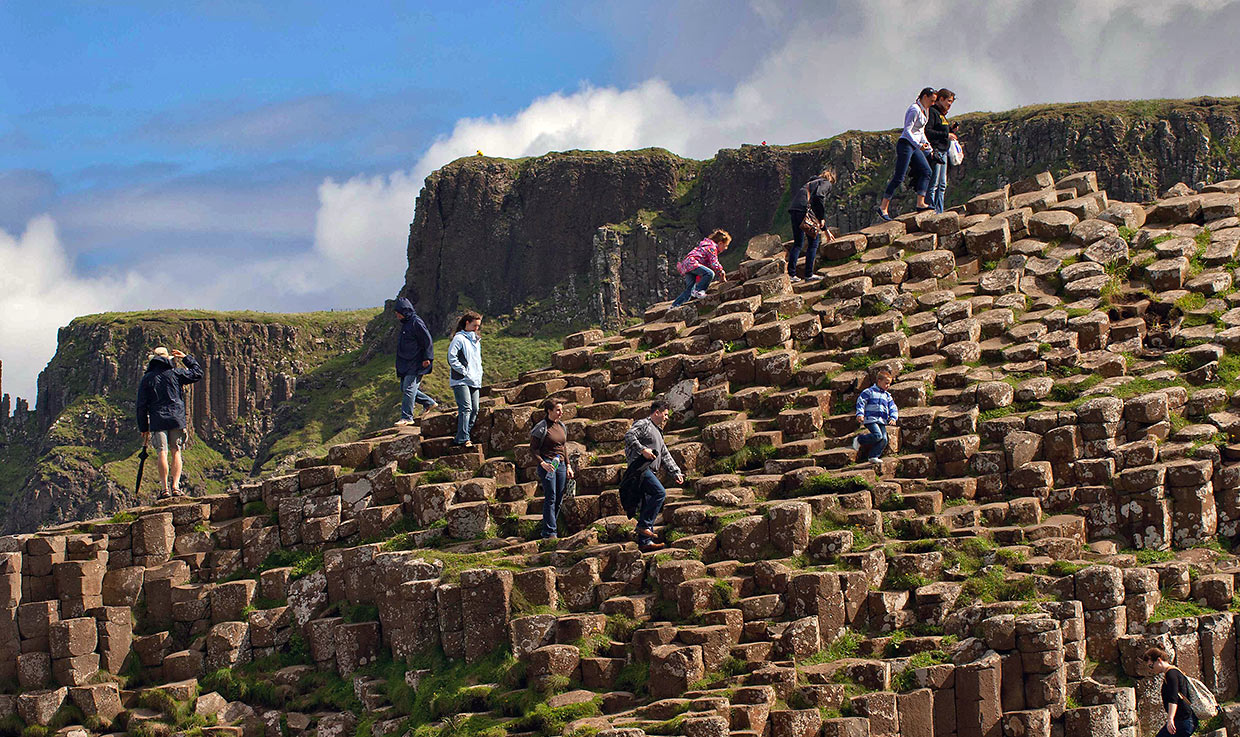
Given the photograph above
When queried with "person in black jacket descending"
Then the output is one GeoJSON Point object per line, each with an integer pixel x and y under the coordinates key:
{"type": "Point", "coordinates": [810, 201]}
{"type": "Point", "coordinates": [161, 411]}
{"type": "Point", "coordinates": [940, 133]}
{"type": "Point", "coordinates": [415, 354]}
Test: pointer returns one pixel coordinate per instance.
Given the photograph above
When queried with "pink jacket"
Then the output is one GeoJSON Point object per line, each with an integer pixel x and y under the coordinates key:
{"type": "Point", "coordinates": [706, 254]}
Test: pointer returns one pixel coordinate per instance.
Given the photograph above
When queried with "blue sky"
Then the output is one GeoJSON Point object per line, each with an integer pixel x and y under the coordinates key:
{"type": "Point", "coordinates": [266, 155]}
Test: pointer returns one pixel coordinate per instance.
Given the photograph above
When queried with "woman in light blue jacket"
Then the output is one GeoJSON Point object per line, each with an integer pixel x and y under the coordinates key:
{"type": "Point", "coordinates": [465, 362]}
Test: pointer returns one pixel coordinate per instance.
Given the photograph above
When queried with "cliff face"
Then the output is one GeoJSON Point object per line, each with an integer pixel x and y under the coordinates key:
{"type": "Point", "coordinates": [73, 457]}
{"type": "Point", "coordinates": [522, 236]}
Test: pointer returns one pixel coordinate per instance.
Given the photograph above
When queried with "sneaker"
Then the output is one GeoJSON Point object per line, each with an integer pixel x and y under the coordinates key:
{"type": "Point", "coordinates": [815, 277]}
{"type": "Point", "coordinates": [796, 280]}
{"type": "Point", "coordinates": [469, 443]}
{"type": "Point", "coordinates": [876, 461]}
{"type": "Point", "coordinates": [883, 215]}
{"type": "Point", "coordinates": [403, 422]}
{"type": "Point", "coordinates": [857, 443]}
{"type": "Point", "coordinates": [698, 294]}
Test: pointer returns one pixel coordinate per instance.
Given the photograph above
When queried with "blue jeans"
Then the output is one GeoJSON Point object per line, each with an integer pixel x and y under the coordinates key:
{"type": "Point", "coordinates": [906, 154]}
{"type": "Point", "coordinates": [411, 393]}
{"type": "Point", "coordinates": [938, 186]}
{"type": "Point", "coordinates": [799, 239]}
{"type": "Point", "coordinates": [699, 279]}
{"type": "Point", "coordinates": [1183, 727]}
{"type": "Point", "coordinates": [466, 411]}
{"type": "Point", "coordinates": [874, 442]}
{"type": "Point", "coordinates": [653, 495]}
{"type": "Point", "coordinates": [553, 485]}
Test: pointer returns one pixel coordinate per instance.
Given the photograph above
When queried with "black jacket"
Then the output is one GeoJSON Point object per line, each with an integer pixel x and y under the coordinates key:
{"type": "Point", "coordinates": [415, 344]}
{"type": "Point", "coordinates": [812, 196]}
{"type": "Point", "coordinates": [161, 403]}
{"type": "Point", "coordinates": [937, 130]}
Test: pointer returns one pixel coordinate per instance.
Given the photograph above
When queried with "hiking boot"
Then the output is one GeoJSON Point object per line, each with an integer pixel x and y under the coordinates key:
{"type": "Point", "coordinates": [648, 534]}
{"type": "Point", "coordinates": [645, 547]}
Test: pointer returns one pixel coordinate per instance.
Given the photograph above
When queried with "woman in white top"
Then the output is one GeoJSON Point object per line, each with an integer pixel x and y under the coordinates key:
{"type": "Point", "coordinates": [912, 149]}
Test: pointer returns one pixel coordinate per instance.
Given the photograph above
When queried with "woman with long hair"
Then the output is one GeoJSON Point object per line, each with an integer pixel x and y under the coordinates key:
{"type": "Point", "coordinates": [809, 204]}
{"type": "Point", "coordinates": [465, 377]}
{"type": "Point", "coordinates": [548, 441]}
{"type": "Point", "coordinates": [940, 133]}
{"type": "Point", "coordinates": [911, 150]}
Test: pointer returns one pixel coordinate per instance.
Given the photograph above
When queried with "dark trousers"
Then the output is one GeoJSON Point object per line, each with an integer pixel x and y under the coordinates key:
{"type": "Point", "coordinates": [653, 496]}
{"type": "Point", "coordinates": [553, 485]}
{"type": "Point", "coordinates": [799, 240]}
{"type": "Point", "coordinates": [909, 155]}
{"type": "Point", "coordinates": [1183, 728]}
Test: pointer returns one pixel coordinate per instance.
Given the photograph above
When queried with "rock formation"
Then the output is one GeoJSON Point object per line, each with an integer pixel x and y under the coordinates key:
{"type": "Point", "coordinates": [1062, 492]}
{"type": "Point", "coordinates": [84, 415]}
{"type": "Point", "coordinates": [528, 236]}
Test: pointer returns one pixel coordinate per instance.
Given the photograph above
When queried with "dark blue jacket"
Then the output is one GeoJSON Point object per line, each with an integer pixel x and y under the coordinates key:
{"type": "Point", "coordinates": [415, 344]}
{"type": "Point", "coordinates": [161, 403]}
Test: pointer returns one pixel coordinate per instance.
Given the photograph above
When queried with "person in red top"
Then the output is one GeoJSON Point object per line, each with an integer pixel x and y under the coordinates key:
{"type": "Point", "coordinates": [701, 265]}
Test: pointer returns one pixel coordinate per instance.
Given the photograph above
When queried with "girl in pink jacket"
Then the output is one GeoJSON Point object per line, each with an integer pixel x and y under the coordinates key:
{"type": "Point", "coordinates": [701, 265]}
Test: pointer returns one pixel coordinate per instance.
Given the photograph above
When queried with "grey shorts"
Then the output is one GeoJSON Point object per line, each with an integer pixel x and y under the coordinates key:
{"type": "Point", "coordinates": [163, 439]}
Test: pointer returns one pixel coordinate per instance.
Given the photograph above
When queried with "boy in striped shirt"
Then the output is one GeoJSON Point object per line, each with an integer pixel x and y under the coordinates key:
{"type": "Point", "coordinates": [875, 411]}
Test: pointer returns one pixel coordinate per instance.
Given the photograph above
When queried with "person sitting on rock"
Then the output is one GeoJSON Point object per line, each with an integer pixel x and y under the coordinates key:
{"type": "Point", "coordinates": [647, 454]}
{"type": "Point", "coordinates": [701, 266]}
{"type": "Point", "coordinates": [548, 441]}
{"type": "Point", "coordinates": [809, 203]}
{"type": "Point", "coordinates": [161, 411]}
{"type": "Point", "coordinates": [875, 411]}
{"type": "Point", "coordinates": [415, 352]}
{"type": "Point", "coordinates": [465, 362]}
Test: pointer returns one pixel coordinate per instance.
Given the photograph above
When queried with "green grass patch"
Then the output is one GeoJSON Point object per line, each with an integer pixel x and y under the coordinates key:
{"type": "Point", "coordinates": [746, 459]}
{"type": "Point", "coordinates": [1168, 608]}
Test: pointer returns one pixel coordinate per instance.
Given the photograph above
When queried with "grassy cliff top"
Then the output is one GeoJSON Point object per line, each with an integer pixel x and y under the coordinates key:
{"type": "Point", "coordinates": [178, 317]}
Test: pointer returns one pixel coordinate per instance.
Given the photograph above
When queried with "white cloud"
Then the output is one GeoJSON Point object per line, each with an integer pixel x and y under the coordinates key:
{"type": "Point", "coordinates": [855, 68]}
{"type": "Point", "coordinates": [842, 65]}
{"type": "Point", "coordinates": [39, 293]}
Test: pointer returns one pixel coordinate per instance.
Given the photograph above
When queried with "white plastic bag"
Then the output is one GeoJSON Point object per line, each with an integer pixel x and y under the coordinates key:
{"type": "Point", "coordinates": [955, 153]}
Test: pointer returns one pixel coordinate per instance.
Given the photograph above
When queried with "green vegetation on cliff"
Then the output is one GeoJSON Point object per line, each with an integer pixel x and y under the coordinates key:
{"type": "Point", "coordinates": [351, 396]}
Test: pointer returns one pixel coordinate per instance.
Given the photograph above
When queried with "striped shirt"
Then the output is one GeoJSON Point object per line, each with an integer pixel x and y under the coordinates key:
{"type": "Point", "coordinates": [876, 405]}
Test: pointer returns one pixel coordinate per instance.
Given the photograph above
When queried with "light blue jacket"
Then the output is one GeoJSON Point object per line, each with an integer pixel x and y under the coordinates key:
{"type": "Point", "coordinates": [876, 405]}
{"type": "Point", "coordinates": [465, 360]}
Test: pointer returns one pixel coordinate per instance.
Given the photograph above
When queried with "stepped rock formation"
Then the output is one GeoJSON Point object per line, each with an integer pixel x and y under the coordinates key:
{"type": "Point", "coordinates": [527, 236]}
{"type": "Point", "coordinates": [86, 394]}
{"type": "Point", "coordinates": [1060, 494]}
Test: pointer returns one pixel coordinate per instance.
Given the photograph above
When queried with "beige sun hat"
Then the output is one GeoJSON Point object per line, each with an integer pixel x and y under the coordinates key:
{"type": "Point", "coordinates": [160, 352]}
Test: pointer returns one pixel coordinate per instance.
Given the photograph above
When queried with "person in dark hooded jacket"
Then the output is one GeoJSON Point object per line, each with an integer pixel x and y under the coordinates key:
{"type": "Point", "coordinates": [415, 354]}
{"type": "Point", "coordinates": [161, 410]}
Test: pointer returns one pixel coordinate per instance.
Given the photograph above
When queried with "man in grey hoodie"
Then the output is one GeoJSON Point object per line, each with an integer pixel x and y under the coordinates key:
{"type": "Point", "coordinates": [643, 443]}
